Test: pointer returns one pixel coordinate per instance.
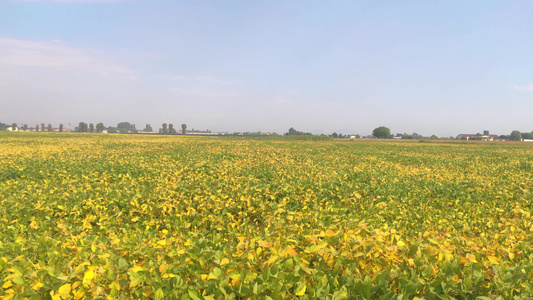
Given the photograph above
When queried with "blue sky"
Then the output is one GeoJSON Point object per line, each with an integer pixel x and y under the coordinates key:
{"type": "Point", "coordinates": [431, 67]}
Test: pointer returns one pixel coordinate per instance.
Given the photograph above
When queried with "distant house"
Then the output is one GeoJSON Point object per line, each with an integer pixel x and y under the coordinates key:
{"type": "Point", "coordinates": [478, 136]}
{"type": "Point", "coordinates": [12, 129]}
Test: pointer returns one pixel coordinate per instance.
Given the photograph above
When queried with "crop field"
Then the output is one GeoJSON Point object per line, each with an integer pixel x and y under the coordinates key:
{"type": "Point", "coordinates": [169, 217]}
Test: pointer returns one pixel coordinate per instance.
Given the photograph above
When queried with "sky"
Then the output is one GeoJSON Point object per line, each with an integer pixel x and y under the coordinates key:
{"type": "Point", "coordinates": [431, 67]}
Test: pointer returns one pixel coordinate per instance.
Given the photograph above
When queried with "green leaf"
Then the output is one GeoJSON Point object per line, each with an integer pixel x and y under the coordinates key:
{"type": "Point", "coordinates": [194, 294]}
{"type": "Point", "coordinates": [122, 263]}
{"type": "Point", "coordinates": [159, 294]}
{"type": "Point", "coordinates": [19, 281]}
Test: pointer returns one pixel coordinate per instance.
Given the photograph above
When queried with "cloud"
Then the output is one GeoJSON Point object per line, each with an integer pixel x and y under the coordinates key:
{"type": "Point", "coordinates": [527, 88]}
{"type": "Point", "coordinates": [57, 56]}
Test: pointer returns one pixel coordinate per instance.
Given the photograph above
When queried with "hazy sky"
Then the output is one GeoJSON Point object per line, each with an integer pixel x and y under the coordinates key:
{"type": "Point", "coordinates": [432, 67]}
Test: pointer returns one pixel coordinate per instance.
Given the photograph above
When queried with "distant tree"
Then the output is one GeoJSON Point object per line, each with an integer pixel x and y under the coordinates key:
{"type": "Point", "coordinates": [42, 127]}
{"type": "Point", "coordinates": [381, 132]}
{"type": "Point", "coordinates": [14, 126]}
{"type": "Point", "coordinates": [91, 127]}
{"type": "Point", "coordinates": [36, 127]}
{"type": "Point", "coordinates": [171, 129]}
{"type": "Point", "coordinates": [406, 136]}
{"type": "Point", "coordinates": [49, 127]}
{"type": "Point", "coordinates": [183, 128]}
{"type": "Point", "coordinates": [25, 127]}
{"type": "Point", "coordinates": [527, 135]}
{"type": "Point", "coordinates": [334, 135]}
{"type": "Point", "coordinates": [61, 127]}
{"type": "Point", "coordinates": [292, 131]}
{"type": "Point", "coordinates": [434, 137]}
{"type": "Point", "coordinates": [100, 127]}
{"type": "Point", "coordinates": [124, 127]}
{"type": "Point", "coordinates": [148, 128]}
{"type": "Point", "coordinates": [485, 132]}
{"type": "Point", "coordinates": [515, 136]}
{"type": "Point", "coordinates": [82, 127]}
{"type": "Point", "coordinates": [165, 130]}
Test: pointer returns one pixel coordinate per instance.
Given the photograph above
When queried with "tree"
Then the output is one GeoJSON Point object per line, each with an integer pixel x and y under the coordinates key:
{"type": "Point", "coordinates": [148, 128]}
{"type": "Point", "coordinates": [334, 135]}
{"type": "Point", "coordinates": [49, 127]}
{"type": "Point", "coordinates": [434, 137]}
{"type": "Point", "coordinates": [171, 129]}
{"type": "Point", "coordinates": [515, 136]}
{"type": "Point", "coordinates": [100, 127]}
{"type": "Point", "coordinates": [292, 131]}
{"type": "Point", "coordinates": [91, 127]}
{"type": "Point", "coordinates": [42, 127]}
{"type": "Point", "coordinates": [25, 127]}
{"type": "Point", "coordinates": [485, 132]}
{"type": "Point", "coordinates": [165, 130]}
{"type": "Point", "coordinates": [184, 128]}
{"type": "Point", "coordinates": [36, 127]}
{"type": "Point", "coordinates": [527, 135]}
{"type": "Point", "coordinates": [381, 132]}
{"type": "Point", "coordinates": [82, 127]}
{"type": "Point", "coordinates": [61, 127]}
{"type": "Point", "coordinates": [124, 127]}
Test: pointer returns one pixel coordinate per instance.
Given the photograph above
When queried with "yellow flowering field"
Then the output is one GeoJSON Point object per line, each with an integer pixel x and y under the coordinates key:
{"type": "Point", "coordinates": [168, 217]}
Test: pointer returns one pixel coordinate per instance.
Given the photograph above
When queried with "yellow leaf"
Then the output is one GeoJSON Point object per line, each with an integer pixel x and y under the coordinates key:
{"type": "Point", "coordinates": [300, 288]}
{"type": "Point", "coordinates": [330, 233]}
{"type": "Point", "coordinates": [114, 285]}
{"type": "Point", "coordinates": [224, 261]}
{"type": "Point", "coordinates": [37, 286]}
{"type": "Point", "coordinates": [88, 277]}
{"type": "Point", "coordinates": [266, 245]}
{"type": "Point", "coordinates": [289, 251]}
{"type": "Point", "coordinates": [55, 296]}
{"type": "Point", "coordinates": [78, 295]}
{"type": "Point", "coordinates": [34, 225]}
{"type": "Point", "coordinates": [272, 259]}
{"type": "Point", "coordinates": [7, 284]}
{"type": "Point", "coordinates": [136, 269]}
{"type": "Point", "coordinates": [162, 268]}
{"type": "Point", "coordinates": [511, 255]}
{"type": "Point", "coordinates": [147, 291]}
{"type": "Point", "coordinates": [433, 241]}
{"type": "Point", "coordinates": [493, 259]}
{"type": "Point", "coordinates": [64, 290]}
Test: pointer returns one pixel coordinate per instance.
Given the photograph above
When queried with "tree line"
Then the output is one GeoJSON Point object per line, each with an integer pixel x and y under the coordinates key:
{"type": "Point", "coordinates": [127, 127]}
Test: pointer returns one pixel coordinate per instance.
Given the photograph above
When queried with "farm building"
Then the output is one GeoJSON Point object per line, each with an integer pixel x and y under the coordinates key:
{"type": "Point", "coordinates": [478, 136]}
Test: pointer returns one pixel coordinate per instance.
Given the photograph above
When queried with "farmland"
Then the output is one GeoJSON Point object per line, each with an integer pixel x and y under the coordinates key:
{"type": "Point", "coordinates": [159, 217]}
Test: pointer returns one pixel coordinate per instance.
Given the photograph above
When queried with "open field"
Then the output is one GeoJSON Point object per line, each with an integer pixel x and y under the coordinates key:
{"type": "Point", "coordinates": [166, 217]}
